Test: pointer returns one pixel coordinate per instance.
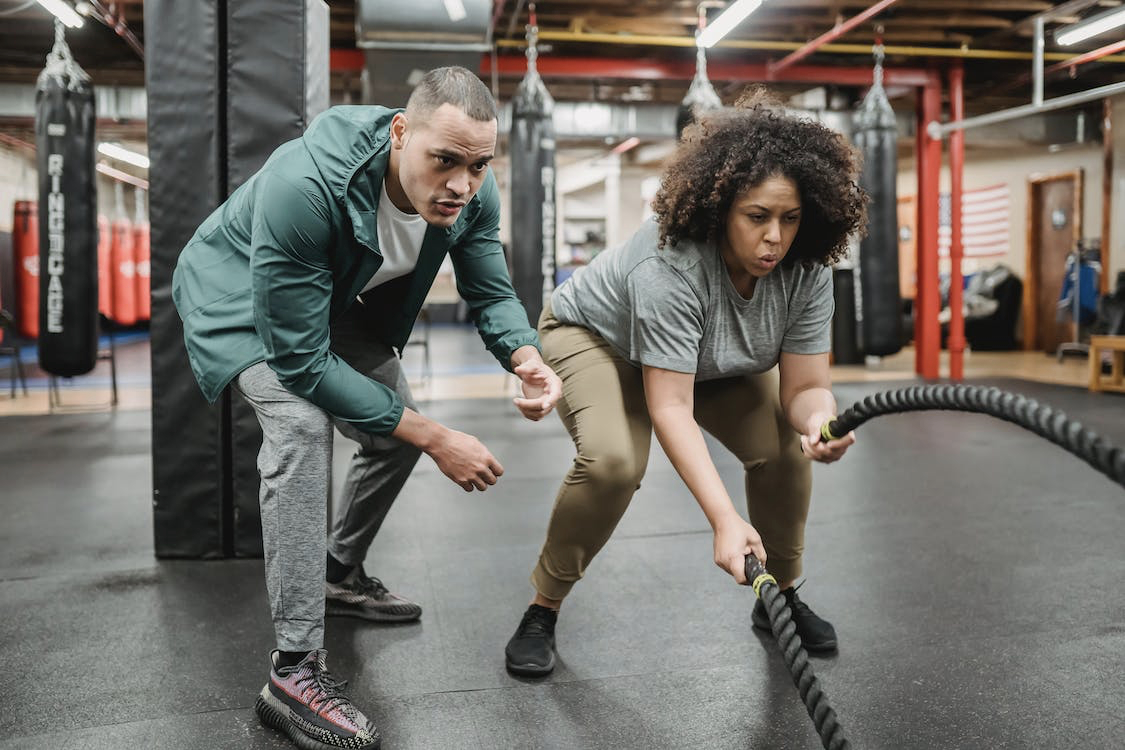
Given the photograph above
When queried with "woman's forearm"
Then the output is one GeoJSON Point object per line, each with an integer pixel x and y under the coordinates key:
{"type": "Point", "coordinates": [682, 441]}
{"type": "Point", "coordinates": [808, 403]}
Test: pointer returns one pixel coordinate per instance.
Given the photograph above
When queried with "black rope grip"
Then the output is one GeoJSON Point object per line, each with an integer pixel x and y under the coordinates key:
{"type": "Point", "coordinates": [796, 659]}
{"type": "Point", "coordinates": [1028, 413]}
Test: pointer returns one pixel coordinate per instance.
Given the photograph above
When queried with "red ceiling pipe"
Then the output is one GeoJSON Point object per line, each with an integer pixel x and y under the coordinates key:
{"type": "Point", "coordinates": [497, 11]}
{"type": "Point", "coordinates": [836, 32]}
{"type": "Point", "coordinates": [655, 70]}
{"type": "Point", "coordinates": [684, 70]}
{"type": "Point", "coordinates": [927, 331]}
{"type": "Point", "coordinates": [9, 140]}
{"type": "Point", "coordinates": [1086, 57]}
{"type": "Point", "coordinates": [956, 248]}
{"type": "Point", "coordinates": [115, 19]}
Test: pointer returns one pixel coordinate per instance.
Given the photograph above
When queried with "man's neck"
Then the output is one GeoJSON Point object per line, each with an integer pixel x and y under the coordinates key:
{"type": "Point", "coordinates": [394, 187]}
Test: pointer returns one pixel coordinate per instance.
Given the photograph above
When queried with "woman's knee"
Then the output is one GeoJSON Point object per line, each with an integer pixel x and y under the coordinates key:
{"type": "Point", "coordinates": [611, 470]}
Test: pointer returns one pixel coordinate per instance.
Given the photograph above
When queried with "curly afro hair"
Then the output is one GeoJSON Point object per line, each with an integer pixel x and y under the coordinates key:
{"type": "Point", "coordinates": [731, 150]}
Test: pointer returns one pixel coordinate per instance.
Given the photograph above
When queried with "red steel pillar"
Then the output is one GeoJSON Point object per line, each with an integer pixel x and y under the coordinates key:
{"type": "Point", "coordinates": [927, 332]}
{"type": "Point", "coordinates": [956, 248]}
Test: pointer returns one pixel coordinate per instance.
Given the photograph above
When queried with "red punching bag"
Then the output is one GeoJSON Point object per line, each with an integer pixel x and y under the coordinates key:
{"type": "Point", "coordinates": [124, 271]}
{"type": "Point", "coordinates": [142, 255]}
{"type": "Point", "coordinates": [25, 260]}
{"type": "Point", "coordinates": [105, 277]}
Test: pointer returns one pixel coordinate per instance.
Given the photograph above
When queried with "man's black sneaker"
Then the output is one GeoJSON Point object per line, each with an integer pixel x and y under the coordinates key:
{"type": "Point", "coordinates": [361, 595]}
{"type": "Point", "coordinates": [308, 704]}
{"type": "Point", "coordinates": [531, 651]}
{"type": "Point", "coordinates": [817, 634]}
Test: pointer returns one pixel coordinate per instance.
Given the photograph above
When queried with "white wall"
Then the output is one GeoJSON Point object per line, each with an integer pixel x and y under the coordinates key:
{"type": "Point", "coordinates": [1015, 168]}
{"type": "Point", "coordinates": [19, 182]}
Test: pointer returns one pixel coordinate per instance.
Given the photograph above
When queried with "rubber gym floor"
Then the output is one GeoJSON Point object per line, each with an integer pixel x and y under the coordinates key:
{"type": "Point", "coordinates": [972, 569]}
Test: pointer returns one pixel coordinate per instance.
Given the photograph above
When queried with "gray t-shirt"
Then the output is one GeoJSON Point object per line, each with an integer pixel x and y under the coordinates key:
{"type": "Point", "coordinates": [677, 309]}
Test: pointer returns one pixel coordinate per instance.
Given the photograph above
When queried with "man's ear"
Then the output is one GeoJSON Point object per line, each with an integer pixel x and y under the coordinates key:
{"type": "Point", "coordinates": [398, 130]}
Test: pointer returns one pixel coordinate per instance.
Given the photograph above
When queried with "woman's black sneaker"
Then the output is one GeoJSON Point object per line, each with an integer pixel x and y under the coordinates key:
{"type": "Point", "coordinates": [816, 634]}
{"type": "Point", "coordinates": [531, 651]}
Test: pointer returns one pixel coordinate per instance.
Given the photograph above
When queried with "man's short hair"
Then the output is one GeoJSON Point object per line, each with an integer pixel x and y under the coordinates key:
{"type": "Point", "coordinates": [452, 85]}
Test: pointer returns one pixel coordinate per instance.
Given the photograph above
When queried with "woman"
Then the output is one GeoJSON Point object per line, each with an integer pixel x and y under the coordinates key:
{"type": "Point", "coordinates": [680, 328]}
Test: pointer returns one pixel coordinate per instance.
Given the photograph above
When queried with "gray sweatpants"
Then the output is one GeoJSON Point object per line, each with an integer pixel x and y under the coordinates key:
{"type": "Point", "coordinates": [295, 464]}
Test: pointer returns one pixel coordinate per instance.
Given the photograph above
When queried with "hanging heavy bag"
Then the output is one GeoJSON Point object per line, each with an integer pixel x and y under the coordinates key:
{"type": "Point", "coordinates": [532, 148]}
{"type": "Point", "coordinates": [105, 280]}
{"type": "Point", "coordinates": [25, 259]}
{"type": "Point", "coordinates": [876, 136]}
{"type": "Point", "coordinates": [68, 229]}
{"type": "Point", "coordinates": [700, 97]}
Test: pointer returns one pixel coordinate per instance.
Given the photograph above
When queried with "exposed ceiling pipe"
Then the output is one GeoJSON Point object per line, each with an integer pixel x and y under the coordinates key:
{"type": "Point", "coordinates": [514, 20]}
{"type": "Point", "coordinates": [937, 130]}
{"type": "Point", "coordinates": [9, 140]}
{"type": "Point", "coordinates": [497, 11]}
{"type": "Point", "coordinates": [1070, 63]}
{"type": "Point", "coordinates": [121, 176]}
{"type": "Point", "coordinates": [1086, 57]}
{"type": "Point", "coordinates": [115, 19]}
{"type": "Point", "coordinates": [1028, 24]}
{"type": "Point", "coordinates": [846, 49]}
{"type": "Point", "coordinates": [834, 33]}
{"type": "Point", "coordinates": [1037, 47]}
{"type": "Point", "coordinates": [604, 68]}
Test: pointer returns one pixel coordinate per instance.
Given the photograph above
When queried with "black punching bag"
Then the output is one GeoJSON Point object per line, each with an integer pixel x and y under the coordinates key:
{"type": "Point", "coordinates": [68, 224]}
{"type": "Point", "coordinates": [701, 96]}
{"type": "Point", "coordinates": [532, 146]}
{"type": "Point", "coordinates": [875, 135]}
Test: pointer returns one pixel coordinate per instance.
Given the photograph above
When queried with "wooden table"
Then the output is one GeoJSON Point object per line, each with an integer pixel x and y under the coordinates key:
{"type": "Point", "coordinates": [1115, 381]}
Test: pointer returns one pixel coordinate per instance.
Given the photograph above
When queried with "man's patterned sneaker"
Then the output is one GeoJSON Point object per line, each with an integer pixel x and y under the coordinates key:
{"type": "Point", "coordinates": [359, 595]}
{"type": "Point", "coordinates": [308, 704]}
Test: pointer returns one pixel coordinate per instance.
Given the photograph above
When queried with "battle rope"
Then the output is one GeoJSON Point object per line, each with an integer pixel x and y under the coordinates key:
{"type": "Point", "coordinates": [785, 633]}
{"type": "Point", "coordinates": [1028, 413]}
{"type": "Point", "coordinates": [1011, 407]}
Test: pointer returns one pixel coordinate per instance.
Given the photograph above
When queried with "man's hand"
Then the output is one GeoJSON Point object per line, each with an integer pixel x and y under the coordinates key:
{"type": "Point", "coordinates": [461, 457]}
{"type": "Point", "coordinates": [734, 540]}
{"type": "Point", "coordinates": [816, 448]}
{"type": "Point", "coordinates": [539, 384]}
{"type": "Point", "coordinates": [466, 461]}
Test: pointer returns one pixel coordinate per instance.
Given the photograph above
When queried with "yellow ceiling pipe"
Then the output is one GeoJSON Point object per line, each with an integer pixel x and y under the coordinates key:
{"type": "Point", "coordinates": [963, 53]}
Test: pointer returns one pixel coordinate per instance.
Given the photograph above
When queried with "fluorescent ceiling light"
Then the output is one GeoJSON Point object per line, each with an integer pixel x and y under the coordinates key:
{"type": "Point", "coordinates": [113, 151]}
{"type": "Point", "coordinates": [1089, 27]}
{"type": "Point", "coordinates": [735, 13]}
{"type": "Point", "coordinates": [63, 12]}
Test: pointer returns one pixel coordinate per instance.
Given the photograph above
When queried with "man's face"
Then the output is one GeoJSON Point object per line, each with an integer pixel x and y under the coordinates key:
{"type": "Point", "coordinates": [441, 161]}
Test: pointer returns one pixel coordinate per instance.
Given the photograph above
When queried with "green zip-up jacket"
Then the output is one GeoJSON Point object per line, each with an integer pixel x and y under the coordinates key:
{"type": "Point", "coordinates": [289, 250]}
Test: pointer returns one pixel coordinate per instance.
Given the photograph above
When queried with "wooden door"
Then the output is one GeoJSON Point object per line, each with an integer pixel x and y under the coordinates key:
{"type": "Point", "coordinates": [1054, 223]}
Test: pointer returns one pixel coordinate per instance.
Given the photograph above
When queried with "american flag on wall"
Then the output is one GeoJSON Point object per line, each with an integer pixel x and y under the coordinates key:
{"type": "Point", "coordinates": [985, 223]}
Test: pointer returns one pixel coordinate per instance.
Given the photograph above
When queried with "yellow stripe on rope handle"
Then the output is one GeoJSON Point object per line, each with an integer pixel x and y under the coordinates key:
{"type": "Point", "coordinates": [760, 580]}
{"type": "Point", "coordinates": [826, 431]}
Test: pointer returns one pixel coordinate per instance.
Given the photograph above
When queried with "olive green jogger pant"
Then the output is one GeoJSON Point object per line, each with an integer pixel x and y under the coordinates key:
{"type": "Point", "coordinates": [603, 408]}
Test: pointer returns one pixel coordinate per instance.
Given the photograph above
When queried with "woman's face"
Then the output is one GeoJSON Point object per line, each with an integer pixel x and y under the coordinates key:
{"type": "Point", "coordinates": [760, 227]}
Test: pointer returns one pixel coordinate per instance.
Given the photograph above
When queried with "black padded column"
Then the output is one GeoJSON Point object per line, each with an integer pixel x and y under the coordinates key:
{"type": "Point", "coordinates": [277, 81]}
{"type": "Point", "coordinates": [227, 83]}
{"type": "Point", "coordinates": [183, 46]}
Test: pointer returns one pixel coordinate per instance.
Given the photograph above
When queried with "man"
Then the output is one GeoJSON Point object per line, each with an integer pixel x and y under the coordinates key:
{"type": "Point", "coordinates": [298, 290]}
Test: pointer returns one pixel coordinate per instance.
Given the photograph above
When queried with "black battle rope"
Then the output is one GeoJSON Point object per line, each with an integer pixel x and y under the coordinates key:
{"type": "Point", "coordinates": [1026, 412]}
{"type": "Point", "coordinates": [785, 632]}
{"type": "Point", "coordinates": [1011, 407]}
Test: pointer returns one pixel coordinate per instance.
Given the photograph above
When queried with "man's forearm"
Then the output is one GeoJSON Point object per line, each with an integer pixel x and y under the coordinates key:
{"type": "Point", "coordinates": [525, 354]}
{"type": "Point", "coordinates": [421, 432]}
